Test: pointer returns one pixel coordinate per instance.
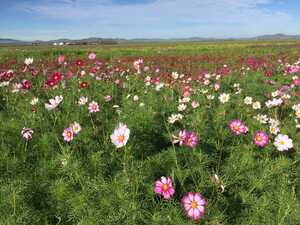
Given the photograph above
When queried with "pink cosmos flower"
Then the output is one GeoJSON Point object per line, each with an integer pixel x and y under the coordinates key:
{"type": "Point", "coordinates": [186, 138]}
{"type": "Point", "coordinates": [107, 98]}
{"type": "Point", "coordinates": [61, 59]}
{"type": "Point", "coordinates": [27, 133]}
{"type": "Point", "coordinates": [26, 85]}
{"type": "Point", "coordinates": [120, 136]}
{"type": "Point", "coordinates": [193, 205]}
{"type": "Point", "coordinates": [93, 107]}
{"type": "Point", "coordinates": [68, 134]}
{"type": "Point", "coordinates": [261, 139]}
{"type": "Point", "coordinates": [92, 56]}
{"type": "Point", "coordinates": [164, 187]}
{"type": "Point", "coordinates": [237, 127]}
{"type": "Point", "coordinates": [296, 82]}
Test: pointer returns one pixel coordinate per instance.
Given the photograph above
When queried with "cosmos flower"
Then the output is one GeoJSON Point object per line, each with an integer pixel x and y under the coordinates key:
{"type": "Point", "coordinates": [193, 205]}
{"type": "Point", "coordinates": [27, 133]}
{"type": "Point", "coordinates": [83, 100]}
{"type": "Point", "coordinates": [237, 127]}
{"type": "Point", "coordinates": [76, 128]}
{"type": "Point", "coordinates": [53, 103]}
{"type": "Point", "coordinates": [107, 98]}
{"type": "Point", "coordinates": [186, 138]}
{"type": "Point", "coordinates": [256, 105]}
{"type": "Point", "coordinates": [28, 61]}
{"type": "Point", "coordinates": [283, 142]}
{"type": "Point", "coordinates": [68, 134]}
{"type": "Point", "coordinates": [164, 187]}
{"type": "Point", "coordinates": [61, 59]}
{"type": "Point", "coordinates": [261, 139]}
{"type": "Point", "coordinates": [120, 136]}
{"type": "Point", "coordinates": [248, 100]}
{"type": "Point", "coordinates": [224, 98]}
{"type": "Point", "coordinates": [26, 85]}
{"type": "Point", "coordinates": [174, 117]}
{"type": "Point", "coordinates": [92, 56]}
{"type": "Point", "coordinates": [93, 107]}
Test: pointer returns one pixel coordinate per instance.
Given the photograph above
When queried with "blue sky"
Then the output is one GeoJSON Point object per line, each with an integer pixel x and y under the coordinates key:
{"type": "Point", "coordinates": [50, 19]}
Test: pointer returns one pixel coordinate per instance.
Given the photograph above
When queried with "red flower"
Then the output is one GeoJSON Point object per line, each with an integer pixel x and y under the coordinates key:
{"type": "Point", "coordinates": [268, 73]}
{"type": "Point", "coordinates": [56, 76]}
{"type": "Point", "coordinates": [83, 85]}
{"type": "Point", "coordinates": [26, 84]}
{"type": "Point", "coordinates": [79, 63]}
{"type": "Point", "coordinates": [51, 83]}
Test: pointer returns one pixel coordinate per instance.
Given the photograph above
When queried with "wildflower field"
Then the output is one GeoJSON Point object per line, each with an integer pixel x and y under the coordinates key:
{"type": "Point", "coordinates": [196, 133]}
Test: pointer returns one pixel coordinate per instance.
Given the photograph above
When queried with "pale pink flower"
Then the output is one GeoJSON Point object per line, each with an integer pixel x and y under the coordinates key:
{"type": "Point", "coordinates": [120, 136]}
{"type": "Point", "coordinates": [107, 98]}
{"type": "Point", "coordinates": [68, 134]}
{"type": "Point", "coordinates": [164, 187]}
{"type": "Point", "coordinates": [61, 59]}
{"type": "Point", "coordinates": [93, 107]}
{"type": "Point", "coordinates": [92, 56]}
{"type": "Point", "coordinates": [193, 205]}
{"type": "Point", "coordinates": [27, 133]}
{"type": "Point", "coordinates": [76, 128]}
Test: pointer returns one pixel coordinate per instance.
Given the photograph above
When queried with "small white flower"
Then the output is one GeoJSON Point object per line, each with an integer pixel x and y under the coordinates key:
{"type": "Point", "coordinates": [175, 75]}
{"type": "Point", "coordinates": [248, 100]}
{"type": "Point", "coordinates": [274, 130]}
{"type": "Point", "coordinates": [210, 97]}
{"type": "Point", "coordinates": [224, 98]}
{"type": "Point", "coordinates": [181, 107]}
{"type": "Point", "coordinates": [159, 86]}
{"type": "Point", "coordinates": [135, 98]}
{"type": "Point", "coordinates": [142, 104]}
{"type": "Point", "coordinates": [53, 103]}
{"type": "Point", "coordinates": [83, 100]}
{"type": "Point", "coordinates": [174, 117]}
{"type": "Point", "coordinates": [275, 94]}
{"type": "Point", "coordinates": [28, 61]}
{"type": "Point", "coordinates": [34, 101]}
{"type": "Point", "coordinates": [261, 118]}
{"type": "Point", "coordinates": [283, 142]}
{"type": "Point", "coordinates": [256, 105]}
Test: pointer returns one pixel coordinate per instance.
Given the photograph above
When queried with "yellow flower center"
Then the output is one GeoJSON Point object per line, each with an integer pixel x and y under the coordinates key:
{"type": "Point", "coordinates": [259, 138]}
{"type": "Point", "coordinates": [121, 138]}
{"type": "Point", "coordinates": [165, 187]}
{"type": "Point", "coordinates": [69, 134]}
{"type": "Point", "coordinates": [282, 142]}
{"type": "Point", "coordinates": [194, 204]}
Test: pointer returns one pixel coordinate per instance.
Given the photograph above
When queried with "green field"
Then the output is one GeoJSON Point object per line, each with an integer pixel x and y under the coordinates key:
{"type": "Point", "coordinates": [87, 180]}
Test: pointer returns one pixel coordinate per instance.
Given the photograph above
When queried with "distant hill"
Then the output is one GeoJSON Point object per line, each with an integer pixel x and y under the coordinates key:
{"type": "Point", "coordinates": [96, 40]}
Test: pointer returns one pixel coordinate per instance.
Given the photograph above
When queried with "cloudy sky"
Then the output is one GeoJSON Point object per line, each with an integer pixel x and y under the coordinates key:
{"type": "Point", "coordinates": [50, 19]}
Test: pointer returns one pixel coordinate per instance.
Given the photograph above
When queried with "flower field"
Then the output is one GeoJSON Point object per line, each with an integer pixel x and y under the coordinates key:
{"type": "Point", "coordinates": [156, 134]}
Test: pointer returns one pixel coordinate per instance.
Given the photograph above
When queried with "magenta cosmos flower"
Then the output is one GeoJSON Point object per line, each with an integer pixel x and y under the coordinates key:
{"type": "Point", "coordinates": [186, 138]}
{"type": "Point", "coordinates": [237, 127]}
{"type": "Point", "coordinates": [261, 139]}
{"type": "Point", "coordinates": [164, 187]}
{"type": "Point", "coordinates": [193, 205]}
{"type": "Point", "coordinates": [68, 134]}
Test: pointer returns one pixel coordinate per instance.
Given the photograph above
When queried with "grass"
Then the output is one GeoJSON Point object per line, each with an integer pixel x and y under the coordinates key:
{"type": "Point", "coordinates": [89, 181]}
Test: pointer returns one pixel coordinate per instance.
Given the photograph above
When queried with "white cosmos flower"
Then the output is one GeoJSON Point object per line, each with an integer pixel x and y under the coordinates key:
{"type": "Point", "coordinates": [181, 107]}
{"type": "Point", "coordinates": [224, 98]}
{"type": "Point", "coordinates": [120, 136]}
{"type": "Point", "coordinates": [256, 105]}
{"type": "Point", "coordinates": [83, 100]}
{"type": "Point", "coordinates": [248, 100]}
{"type": "Point", "coordinates": [174, 117]}
{"type": "Point", "coordinates": [28, 61]}
{"type": "Point", "coordinates": [34, 101]}
{"type": "Point", "coordinates": [53, 103]}
{"type": "Point", "coordinates": [283, 142]}
{"type": "Point", "coordinates": [274, 130]}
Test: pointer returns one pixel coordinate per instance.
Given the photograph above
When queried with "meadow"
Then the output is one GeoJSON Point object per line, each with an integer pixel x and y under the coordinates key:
{"type": "Point", "coordinates": [157, 133]}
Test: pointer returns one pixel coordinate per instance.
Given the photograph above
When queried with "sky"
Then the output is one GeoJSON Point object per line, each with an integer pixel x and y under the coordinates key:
{"type": "Point", "coordinates": [53, 19]}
